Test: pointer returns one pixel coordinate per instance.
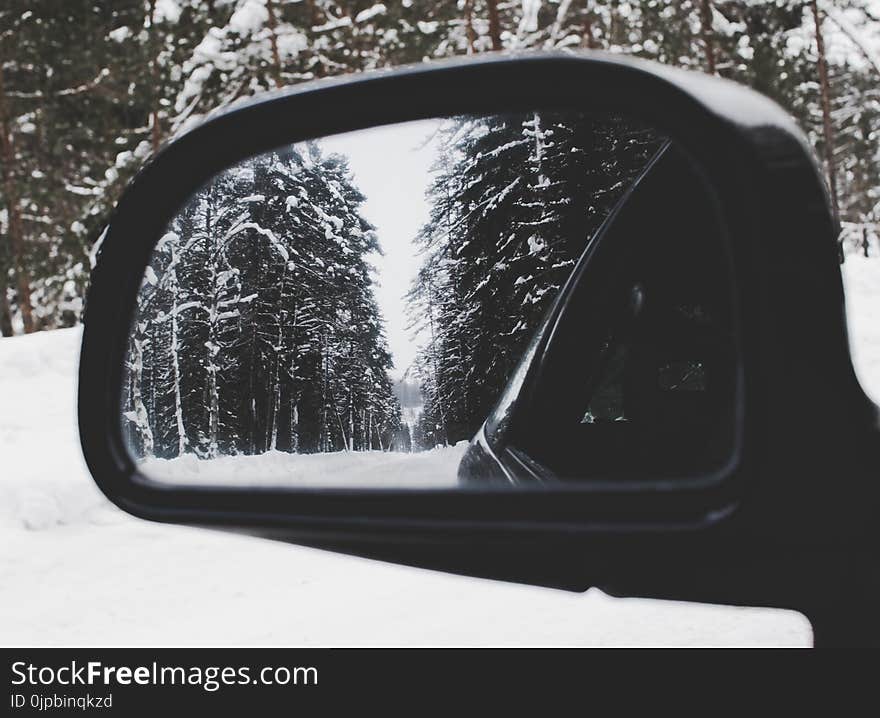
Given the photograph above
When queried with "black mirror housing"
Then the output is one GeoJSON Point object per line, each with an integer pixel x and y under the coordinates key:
{"type": "Point", "coordinates": [771, 201]}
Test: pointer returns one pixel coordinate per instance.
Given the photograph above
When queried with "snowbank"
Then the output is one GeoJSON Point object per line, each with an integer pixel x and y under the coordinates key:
{"type": "Point", "coordinates": [341, 469]}
{"type": "Point", "coordinates": [75, 570]}
{"type": "Point", "coordinates": [861, 279]}
{"type": "Point", "coordinates": [43, 480]}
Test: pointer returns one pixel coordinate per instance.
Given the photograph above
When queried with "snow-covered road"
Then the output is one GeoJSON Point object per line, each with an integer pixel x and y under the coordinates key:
{"type": "Point", "coordinates": [433, 469]}
{"type": "Point", "coordinates": [75, 570]}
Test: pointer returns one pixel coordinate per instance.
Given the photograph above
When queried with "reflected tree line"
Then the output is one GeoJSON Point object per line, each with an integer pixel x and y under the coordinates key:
{"type": "Point", "coordinates": [257, 328]}
{"type": "Point", "coordinates": [514, 201]}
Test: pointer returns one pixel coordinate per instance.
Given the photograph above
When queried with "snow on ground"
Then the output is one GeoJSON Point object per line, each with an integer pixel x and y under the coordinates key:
{"type": "Point", "coordinates": [75, 570]}
{"type": "Point", "coordinates": [355, 469]}
{"type": "Point", "coordinates": [42, 472]}
{"type": "Point", "coordinates": [861, 279]}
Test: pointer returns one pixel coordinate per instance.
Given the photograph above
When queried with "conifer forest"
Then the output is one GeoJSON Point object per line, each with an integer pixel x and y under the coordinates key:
{"type": "Point", "coordinates": [261, 330]}
{"type": "Point", "coordinates": [257, 326]}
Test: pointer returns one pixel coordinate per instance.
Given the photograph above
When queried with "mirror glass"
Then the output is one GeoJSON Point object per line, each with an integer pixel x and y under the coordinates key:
{"type": "Point", "coordinates": [347, 311]}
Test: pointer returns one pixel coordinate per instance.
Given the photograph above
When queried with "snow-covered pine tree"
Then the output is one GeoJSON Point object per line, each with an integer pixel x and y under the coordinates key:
{"type": "Point", "coordinates": [514, 201]}
{"type": "Point", "coordinates": [83, 116]}
{"type": "Point", "coordinates": [258, 329]}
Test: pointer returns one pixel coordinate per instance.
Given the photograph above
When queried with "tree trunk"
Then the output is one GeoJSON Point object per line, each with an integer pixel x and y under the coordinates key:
{"type": "Point", "coordinates": [706, 34]}
{"type": "Point", "coordinates": [825, 90]}
{"type": "Point", "coordinates": [273, 41]}
{"type": "Point", "coordinates": [613, 23]}
{"type": "Point", "coordinates": [324, 441]}
{"type": "Point", "coordinates": [433, 341]}
{"type": "Point", "coordinates": [213, 350]}
{"type": "Point", "coordinates": [494, 24]}
{"type": "Point", "coordinates": [155, 131]}
{"type": "Point", "coordinates": [350, 422]}
{"type": "Point", "coordinates": [276, 364]}
{"type": "Point", "coordinates": [5, 313]}
{"type": "Point", "coordinates": [588, 39]}
{"type": "Point", "coordinates": [379, 437]}
{"type": "Point", "coordinates": [469, 25]}
{"type": "Point", "coordinates": [14, 227]}
{"type": "Point", "coordinates": [313, 13]}
{"type": "Point", "coordinates": [175, 363]}
{"type": "Point", "coordinates": [142, 418]}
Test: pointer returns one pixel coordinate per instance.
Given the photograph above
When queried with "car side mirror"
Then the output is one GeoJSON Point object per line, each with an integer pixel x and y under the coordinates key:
{"type": "Point", "coordinates": [571, 366]}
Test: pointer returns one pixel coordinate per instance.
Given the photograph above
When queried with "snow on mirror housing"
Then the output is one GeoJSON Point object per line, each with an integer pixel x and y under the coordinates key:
{"type": "Point", "coordinates": [346, 312]}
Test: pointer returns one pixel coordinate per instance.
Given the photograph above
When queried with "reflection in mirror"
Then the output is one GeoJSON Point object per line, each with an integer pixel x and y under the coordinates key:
{"type": "Point", "coordinates": [345, 312]}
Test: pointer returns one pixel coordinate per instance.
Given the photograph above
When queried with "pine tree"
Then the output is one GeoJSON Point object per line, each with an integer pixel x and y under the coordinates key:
{"type": "Point", "coordinates": [257, 315]}
{"type": "Point", "coordinates": [82, 116]}
{"type": "Point", "coordinates": [514, 201]}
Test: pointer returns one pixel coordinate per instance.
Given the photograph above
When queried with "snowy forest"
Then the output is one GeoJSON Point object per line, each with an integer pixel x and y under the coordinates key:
{"type": "Point", "coordinates": [513, 202]}
{"type": "Point", "coordinates": [257, 327]}
{"type": "Point", "coordinates": [90, 89]}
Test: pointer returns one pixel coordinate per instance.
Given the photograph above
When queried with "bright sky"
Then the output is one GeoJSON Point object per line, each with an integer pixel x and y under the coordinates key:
{"type": "Point", "coordinates": [391, 167]}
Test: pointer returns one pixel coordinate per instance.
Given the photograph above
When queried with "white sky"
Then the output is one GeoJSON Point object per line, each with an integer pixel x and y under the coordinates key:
{"type": "Point", "coordinates": [391, 167]}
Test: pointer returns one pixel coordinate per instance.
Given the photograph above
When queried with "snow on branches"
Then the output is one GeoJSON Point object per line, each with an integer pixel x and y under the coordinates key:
{"type": "Point", "coordinates": [257, 327]}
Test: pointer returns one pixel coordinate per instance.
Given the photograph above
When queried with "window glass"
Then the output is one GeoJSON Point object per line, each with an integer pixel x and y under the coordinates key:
{"type": "Point", "coordinates": [640, 378]}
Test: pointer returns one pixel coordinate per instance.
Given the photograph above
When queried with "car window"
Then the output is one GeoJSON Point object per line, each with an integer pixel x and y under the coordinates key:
{"type": "Point", "coordinates": [640, 378]}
